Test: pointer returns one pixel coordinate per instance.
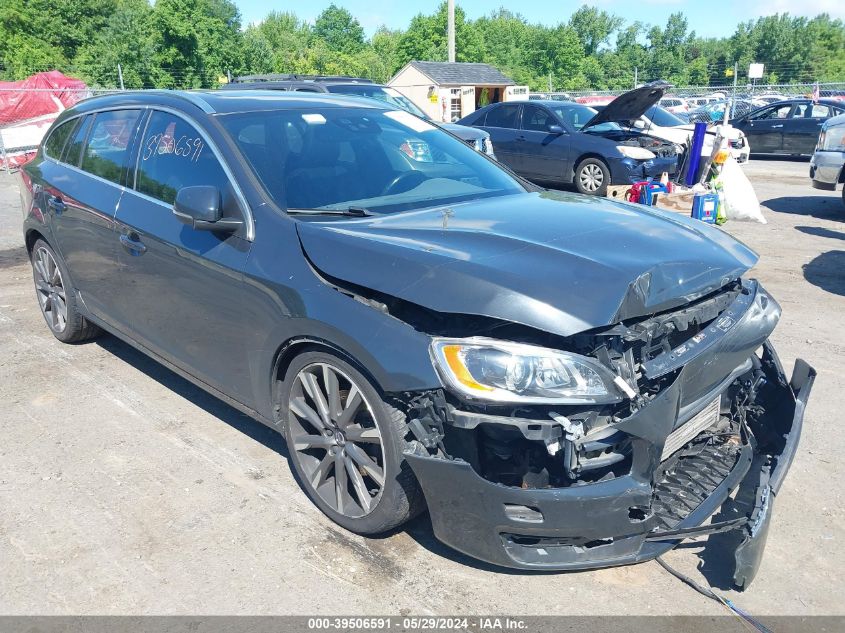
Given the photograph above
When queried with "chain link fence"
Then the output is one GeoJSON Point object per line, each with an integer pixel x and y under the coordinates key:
{"type": "Point", "coordinates": [26, 114]}
{"type": "Point", "coordinates": [708, 103]}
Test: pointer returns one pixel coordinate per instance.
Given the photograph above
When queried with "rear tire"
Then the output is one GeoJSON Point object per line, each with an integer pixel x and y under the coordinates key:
{"type": "Point", "coordinates": [592, 176]}
{"type": "Point", "coordinates": [56, 297]}
{"type": "Point", "coordinates": [345, 444]}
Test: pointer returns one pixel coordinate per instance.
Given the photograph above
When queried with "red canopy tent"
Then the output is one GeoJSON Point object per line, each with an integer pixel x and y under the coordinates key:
{"type": "Point", "coordinates": [28, 108]}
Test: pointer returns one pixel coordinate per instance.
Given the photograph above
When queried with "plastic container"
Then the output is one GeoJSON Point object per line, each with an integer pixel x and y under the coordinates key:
{"type": "Point", "coordinates": [649, 193]}
{"type": "Point", "coordinates": [705, 207]}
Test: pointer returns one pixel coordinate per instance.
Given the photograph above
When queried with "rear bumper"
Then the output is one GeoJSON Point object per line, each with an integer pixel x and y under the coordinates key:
{"type": "Point", "coordinates": [614, 522]}
{"type": "Point", "coordinates": [826, 169]}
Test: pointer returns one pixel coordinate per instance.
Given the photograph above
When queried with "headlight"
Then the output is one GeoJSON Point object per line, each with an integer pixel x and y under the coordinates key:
{"type": "Point", "coordinates": [499, 371]}
{"type": "Point", "coordinates": [637, 153]}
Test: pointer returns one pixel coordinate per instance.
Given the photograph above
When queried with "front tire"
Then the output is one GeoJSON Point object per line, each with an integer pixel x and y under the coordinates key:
{"type": "Point", "coordinates": [345, 444]}
{"type": "Point", "coordinates": [56, 297]}
{"type": "Point", "coordinates": [592, 177]}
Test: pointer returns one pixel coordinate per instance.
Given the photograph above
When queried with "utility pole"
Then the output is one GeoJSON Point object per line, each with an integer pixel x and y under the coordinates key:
{"type": "Point", "coordinates": [120, 76]}
{"type": "Point", "coordinates": [732, 102]}
{"type": "Point", "coordinates": [550, 82]}
{"type": "Point", "coordinates": [451, 18]}
{"type": "Point", "coordinates": [635, 77]}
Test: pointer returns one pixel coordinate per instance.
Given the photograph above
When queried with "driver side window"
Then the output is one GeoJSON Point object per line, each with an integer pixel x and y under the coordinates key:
{"type": "Point", "coordinates": [775, 112]}
{"type": "Point", "coordinates": [536, 119]}
{"type": "Point", "coordinates": [173, 155]}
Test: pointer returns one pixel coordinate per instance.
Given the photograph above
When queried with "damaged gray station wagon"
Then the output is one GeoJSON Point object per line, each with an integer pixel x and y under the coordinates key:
{"type": "Point", "coordinates": [563, 382]}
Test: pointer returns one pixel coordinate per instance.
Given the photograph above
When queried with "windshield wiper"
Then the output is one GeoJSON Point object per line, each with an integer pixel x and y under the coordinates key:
{"type": "Point", "coordinates": [352, 212]}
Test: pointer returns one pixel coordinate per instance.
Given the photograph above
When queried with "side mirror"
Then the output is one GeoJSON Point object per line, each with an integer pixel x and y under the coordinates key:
{"type": "Point", "coordinates": [556, 129]}
{"type": "Point", "coordinates": [639, 124]}
{"type": "Point", "coordinates": [200, 207]}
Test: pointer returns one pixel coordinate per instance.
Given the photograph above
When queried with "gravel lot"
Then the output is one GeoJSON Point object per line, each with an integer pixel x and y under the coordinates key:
{"type": "Point", "coordinates": [124, 489]}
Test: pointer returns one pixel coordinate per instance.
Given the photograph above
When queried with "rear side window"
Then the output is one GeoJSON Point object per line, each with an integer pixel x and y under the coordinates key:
{"type": "Point", "coordinates": [503, 116]}
{"type": "Point", "coordinates": [173, 155]}
{"type": "Point", "coordinates": [58, 139]}
{"type": "Point", "coordinates": [108, 143]}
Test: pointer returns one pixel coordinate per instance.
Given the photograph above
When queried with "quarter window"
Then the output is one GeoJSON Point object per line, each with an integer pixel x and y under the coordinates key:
{"type": "Point", "coordinates": [173, 154]}
{"type": "Point", "coordinates": [74, 148]}
{"type": "Point", "coordinates": [57, 140]}
{"type": "Point", "coordinates": [108, 143]}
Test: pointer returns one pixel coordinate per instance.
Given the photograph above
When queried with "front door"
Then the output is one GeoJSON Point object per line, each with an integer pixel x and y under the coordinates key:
{"type": "Point", "coordinates": [765, 129]}
{"type": "Point", "coordinates": [183, 295]}
{"type": "Point", "coordinates": [545, 155]}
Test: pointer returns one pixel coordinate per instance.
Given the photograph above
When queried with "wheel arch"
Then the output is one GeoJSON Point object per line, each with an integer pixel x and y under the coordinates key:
{"type": "Point", "coordinates": [584, 156]}
{"type": "Point", "coordinates": [295, 346]}
{"type": "Point", "coordinates": [31, 236]}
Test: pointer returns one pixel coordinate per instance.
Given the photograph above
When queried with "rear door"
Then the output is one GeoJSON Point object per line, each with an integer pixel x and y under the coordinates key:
{"type": "Point", "coordinates": [545, 156]}
{"type": "Point", "coordinates": [803, 127]}
{"type": "Point", "coordinates": [764, 128]}
{"type": "Point", "coordinates": [502, 123]}
{"type": "Point", "coordinates": [82, 194]}
{"type": "Point", "coordinates": [182, 293]}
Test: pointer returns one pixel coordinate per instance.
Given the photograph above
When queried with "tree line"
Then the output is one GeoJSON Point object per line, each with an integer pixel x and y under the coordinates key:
{"type": "Point", "coordinates": [197, 43]}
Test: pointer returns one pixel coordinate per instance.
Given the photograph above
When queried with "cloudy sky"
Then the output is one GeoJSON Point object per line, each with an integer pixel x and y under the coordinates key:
{"type": "Point", "coordinates": [708, 18]}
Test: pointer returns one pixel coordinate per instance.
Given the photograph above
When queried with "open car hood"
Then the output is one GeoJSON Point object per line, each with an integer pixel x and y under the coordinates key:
{"type": "Point", "coordinates": [631, 105]}
{"type": "Point", "coordinates": [558, 262]}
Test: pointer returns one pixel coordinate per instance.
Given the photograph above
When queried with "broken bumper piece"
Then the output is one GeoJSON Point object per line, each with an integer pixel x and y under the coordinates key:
{"type": "Point", "coordinates": [630, 518]}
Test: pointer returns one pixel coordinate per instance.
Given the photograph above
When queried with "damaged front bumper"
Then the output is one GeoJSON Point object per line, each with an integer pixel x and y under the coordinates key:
{"type": "Point", "coordinates": [660, 499]}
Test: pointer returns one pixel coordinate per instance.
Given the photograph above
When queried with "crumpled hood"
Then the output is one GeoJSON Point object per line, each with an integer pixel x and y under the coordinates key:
{"type": "Point", "coordinates": [559, 262]}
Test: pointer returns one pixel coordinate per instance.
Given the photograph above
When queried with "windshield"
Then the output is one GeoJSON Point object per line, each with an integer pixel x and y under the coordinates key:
{"type": "Point", "coordinates": [663, 118]}
{"type": "Point", "coordinates": [379, 160]}
{"type": "Point", "coordinates": [577, 116]}
{"type": "Point", "coordinates": [382, 93]}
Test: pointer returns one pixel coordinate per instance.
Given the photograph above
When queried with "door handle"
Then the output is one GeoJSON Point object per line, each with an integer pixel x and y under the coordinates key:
{"type": "Point", "coordinates": [56, 204]}
{"type": "Point", "coordinates": [776, 126]}
{"type": "Point", "coordinates": [133, 244]}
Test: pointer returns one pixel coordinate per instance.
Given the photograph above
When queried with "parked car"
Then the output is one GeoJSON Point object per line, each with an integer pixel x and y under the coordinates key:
{"type": "Point", "coordinates": [714, 112]}
{"type": "Point", "coordinates": [358, 87]}
{"type": "Point", "coordinates": [663, 124]}
{"type": "Point", "coordinates": [827, 167]}
{"type": "Point", "coordinates": [787, 127]}
{"type": "Point", "coordinates": [564, 143]}
{"type": "Point", "coordinates": [558, 379]}
{"type": "Point", "coordinates": [674, 104]}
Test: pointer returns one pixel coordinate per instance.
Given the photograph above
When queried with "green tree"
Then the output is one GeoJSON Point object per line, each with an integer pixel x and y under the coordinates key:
{"type": "Point", "coordinates": [339, 30]}
{"type": "Point", "coordinates": [594, 27]}
{"type": "Point", "coordinates": [97, 60]}
{"type": "Point", "coordinates": [426, 38]}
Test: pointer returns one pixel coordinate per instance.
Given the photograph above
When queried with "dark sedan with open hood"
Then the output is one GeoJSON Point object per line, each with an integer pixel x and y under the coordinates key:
{"type": "Point", "coordinates": [564, 382]}
{"type": "Point", "coordinates": [563, 142]}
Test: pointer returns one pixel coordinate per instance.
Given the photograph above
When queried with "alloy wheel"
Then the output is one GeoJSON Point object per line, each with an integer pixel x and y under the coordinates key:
{"type": "Point", "coordinates": [336, 441]}
{"type": "Point", "coordinates": [50, 289]}
{"type": "Point", "coordinates": [591, 177]}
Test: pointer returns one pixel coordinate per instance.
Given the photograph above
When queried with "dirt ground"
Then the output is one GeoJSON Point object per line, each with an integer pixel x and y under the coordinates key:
{"type": "Point", "coordinates": [124, 489]}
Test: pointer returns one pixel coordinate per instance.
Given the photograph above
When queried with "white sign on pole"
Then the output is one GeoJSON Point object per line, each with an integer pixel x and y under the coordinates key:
{"type": "Point", "coordinates": [755, 71]}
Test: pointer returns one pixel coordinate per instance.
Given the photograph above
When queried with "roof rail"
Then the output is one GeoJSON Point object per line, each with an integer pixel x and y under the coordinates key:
{"type": "Point", "coordinates": [296, 77]}
{"type": "Point", "coordinates": [193, 97]}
